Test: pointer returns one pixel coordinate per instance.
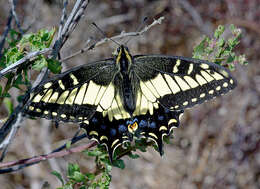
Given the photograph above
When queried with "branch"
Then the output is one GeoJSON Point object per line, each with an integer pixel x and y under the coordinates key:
{"type": "Point", "coordinates": [13, 5]}
{"type": "Point", "coordinates": [28, 57]}
{"type": "Point", "coordinates": [19, 164]}
{"type": "Point", "coordinates": [12, 124]}
{"type": "Point", "coordinates": [7, 28]}
{"type": "Point", "coordinates": [122, 35]}
{"type": "Point", "coordinates": [69, 25]}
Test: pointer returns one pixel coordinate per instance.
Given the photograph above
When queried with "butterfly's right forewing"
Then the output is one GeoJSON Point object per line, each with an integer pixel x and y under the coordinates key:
{"type": "Point", "coordinates": [74, 95]}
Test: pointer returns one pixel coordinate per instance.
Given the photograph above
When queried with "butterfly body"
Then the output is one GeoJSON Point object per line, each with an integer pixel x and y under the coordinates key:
{"type": "Point", "coordinates": [128, 96]}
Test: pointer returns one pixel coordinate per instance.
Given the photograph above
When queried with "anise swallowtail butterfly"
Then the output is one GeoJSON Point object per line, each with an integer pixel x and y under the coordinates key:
{"type": "Point", "coordinates": [126, 96]}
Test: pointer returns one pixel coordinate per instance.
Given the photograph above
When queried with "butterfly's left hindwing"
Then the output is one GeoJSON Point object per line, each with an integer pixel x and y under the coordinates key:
{"type": "Point", "coordinates": [178, 83]}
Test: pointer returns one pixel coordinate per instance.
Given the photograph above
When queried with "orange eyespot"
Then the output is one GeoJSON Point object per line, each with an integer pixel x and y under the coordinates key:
{"type": "Point", "coordinates": [132, 127]}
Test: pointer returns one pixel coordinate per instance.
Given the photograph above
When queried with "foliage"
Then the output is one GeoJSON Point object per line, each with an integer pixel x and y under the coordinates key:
{"type": "Point", "coordinates": [221, 50]}
{"type": "Point", "coordinates": [18, 49]}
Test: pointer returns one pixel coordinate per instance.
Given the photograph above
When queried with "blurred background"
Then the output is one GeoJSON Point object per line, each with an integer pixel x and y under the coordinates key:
{"type": "Point", "coordinates": [218, 143]}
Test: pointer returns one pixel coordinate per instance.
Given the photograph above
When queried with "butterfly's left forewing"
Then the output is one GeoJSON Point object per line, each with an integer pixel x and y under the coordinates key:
{"type": "Point", "coordinates": [178, 83]}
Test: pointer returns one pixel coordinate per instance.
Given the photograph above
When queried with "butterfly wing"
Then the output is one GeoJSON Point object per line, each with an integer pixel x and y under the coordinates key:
{"type": "Point", "coordinates": [74, 95]}
{"type": "Point", "coordinates": [178, 83]}
{"type": "Point", "coordinates": [114, 134]}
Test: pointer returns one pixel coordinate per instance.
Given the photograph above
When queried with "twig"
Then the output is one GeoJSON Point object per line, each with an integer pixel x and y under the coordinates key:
{"type": "Point", "coordinates": [13, 5]}
{"type": "Point", "coordinates": [69, 25]}
{"type": "Point", "coordinates": [7, 28]}
{"type": "Point", "coordinates": [29, 56]}
{"type": "Point", "coordinates": [122, 35]}
{"type": "Point", "coordinates": [63, 17]}
{"type": "Point", "coordinates": [16, 165]}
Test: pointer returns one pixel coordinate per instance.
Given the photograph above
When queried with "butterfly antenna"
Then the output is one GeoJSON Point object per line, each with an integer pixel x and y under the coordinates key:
{"type": "Point", "coordinates": [138, 29]}
{"type": "Point", "coordinates": [103, 33]}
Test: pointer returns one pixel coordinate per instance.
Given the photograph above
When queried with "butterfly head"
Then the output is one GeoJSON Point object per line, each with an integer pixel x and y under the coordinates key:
{"type": "Point", "coordinates": [123, 55]}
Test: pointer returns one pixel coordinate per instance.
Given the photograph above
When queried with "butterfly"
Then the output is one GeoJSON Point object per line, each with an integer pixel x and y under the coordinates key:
{"type": "Point", "coordinates": [127, 96]}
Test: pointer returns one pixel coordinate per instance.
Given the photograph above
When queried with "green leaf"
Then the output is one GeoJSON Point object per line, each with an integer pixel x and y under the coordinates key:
{"type": "Point", "coordinates": [9, 105]}
{"type": "Point", "coordinates": [54, 66]}
{"type": "Point", "coordinates": [78, 177]}
{"type": "Point", "coordinates": [68, 186]}
{"type": "Point", "coordinates": [39, 63]}
{"type": "Point", "coordinates": [68, 145]}
{"type": "Point", "coordinates": [133, 156]}
{"type": "Point", "coordinates": [90, 176]}
{"type": "Point", "coordinates": [219, 31]}
{"type": "Point", "coordinates": [58, 175]}
{"type": "Point", "coordinates": [72, 168]}
{"type": "Point", "coordinates": [119, 163]}
{"type": "Point", "coordinates": [94, 152]}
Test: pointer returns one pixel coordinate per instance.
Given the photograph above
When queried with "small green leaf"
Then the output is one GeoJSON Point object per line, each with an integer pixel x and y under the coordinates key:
{"type": "Point", "coordinates": [119, 163]}
{"type": "Point", "coordinates": [219, 31]}
{"type": "Point", "coordinates": [133, 156]}
{"type": "Point", "coordinates": [72, 168]}
{"type": "Point", "coordinates": [78, 177]}
{"type": "Point", "coordinates": [58, 175]}
{"type": "Point", "coordinates": [90, 176]}
{"type": "Point", "coordinates": [54, 66]}
{"type": "Point", "coordinates": [20, 98]}
{"type": "Point", "coordinates": [39, 63]}
{"type": "Point", "coordinates": [94, 152]}
{"type": "Point", "coordinates": [68, 186]}
{"type": "Point", "coordinates": [68, 145]}
{"type": "Point", "coordinates": [9, 105]}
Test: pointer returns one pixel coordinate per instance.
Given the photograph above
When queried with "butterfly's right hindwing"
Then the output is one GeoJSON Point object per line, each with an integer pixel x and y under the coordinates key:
{"type": "Point", "coordinates": [74, 95]}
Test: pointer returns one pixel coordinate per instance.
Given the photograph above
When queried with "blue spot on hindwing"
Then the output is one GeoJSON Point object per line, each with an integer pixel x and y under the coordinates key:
{"type": "Point", "coordinates": [152, 125]}
{"type": "Point", "coordinates": [112, 132]}
{"type": "Point", "coordinates": [143, 124]}
{"type": "Point", "coordinates": [122, 129]}
{"type": "Point", "coordinates": [161, 117]}
{"type": "Point", "coordinates": [94, 120]}
{"type": "Point", "coordinates": [103, 127]}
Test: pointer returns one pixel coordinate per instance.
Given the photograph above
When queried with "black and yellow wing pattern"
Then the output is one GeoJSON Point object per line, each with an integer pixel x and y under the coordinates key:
{"type": "Point", "coordinates": [125, 97]}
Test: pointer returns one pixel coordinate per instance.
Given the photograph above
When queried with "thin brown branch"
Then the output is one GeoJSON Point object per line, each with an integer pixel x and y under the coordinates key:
{"type": "Point", "coordinates": [122, 35]}
{"type": "Point", "coordinates": [44, 157]}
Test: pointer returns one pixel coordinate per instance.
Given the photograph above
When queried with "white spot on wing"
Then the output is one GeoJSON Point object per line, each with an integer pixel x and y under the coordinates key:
{"type": "Point", "coordinates": [216, 75]}
{"type": "Point", "coordinates": [160, 85]}
{"type": "Point", "coordinates": [173, 85]}
{"type": "Point", "coordinates": [61, 85]}
{"type": "Point", "coordinates": [75, 81]}
{"type": "Point", "coordinates": [191, 81]}
{"type": "Point", "coordinates": [80, 96]}
{"type": "Point", "coordinates": [91, 93]}
{"type": "Point", "coordinates": [200, 79]}
{"type": "Point", "coordinates": [146, 91]}
{"type": "Point", "coordinates": [71, 97]}
{"type": "Point", "coordinates": [183, 85]}
{"type": "Point", "coordinates": [204, 66]}
{"type": "Point", "coordinates": [190, 69]}
{"type": "Point", "coordinates": [54, 97]}
{"type": "Point", "coordinates": [63, 97]}
{"type": "Point", "coordinates": [175, 68]}
{"type": "Point", "coordinates": [206, 76]}
{"type": "Point", "coordinates": [108, 96]}
{"type": "Point", "coordinates": [47, 96]}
